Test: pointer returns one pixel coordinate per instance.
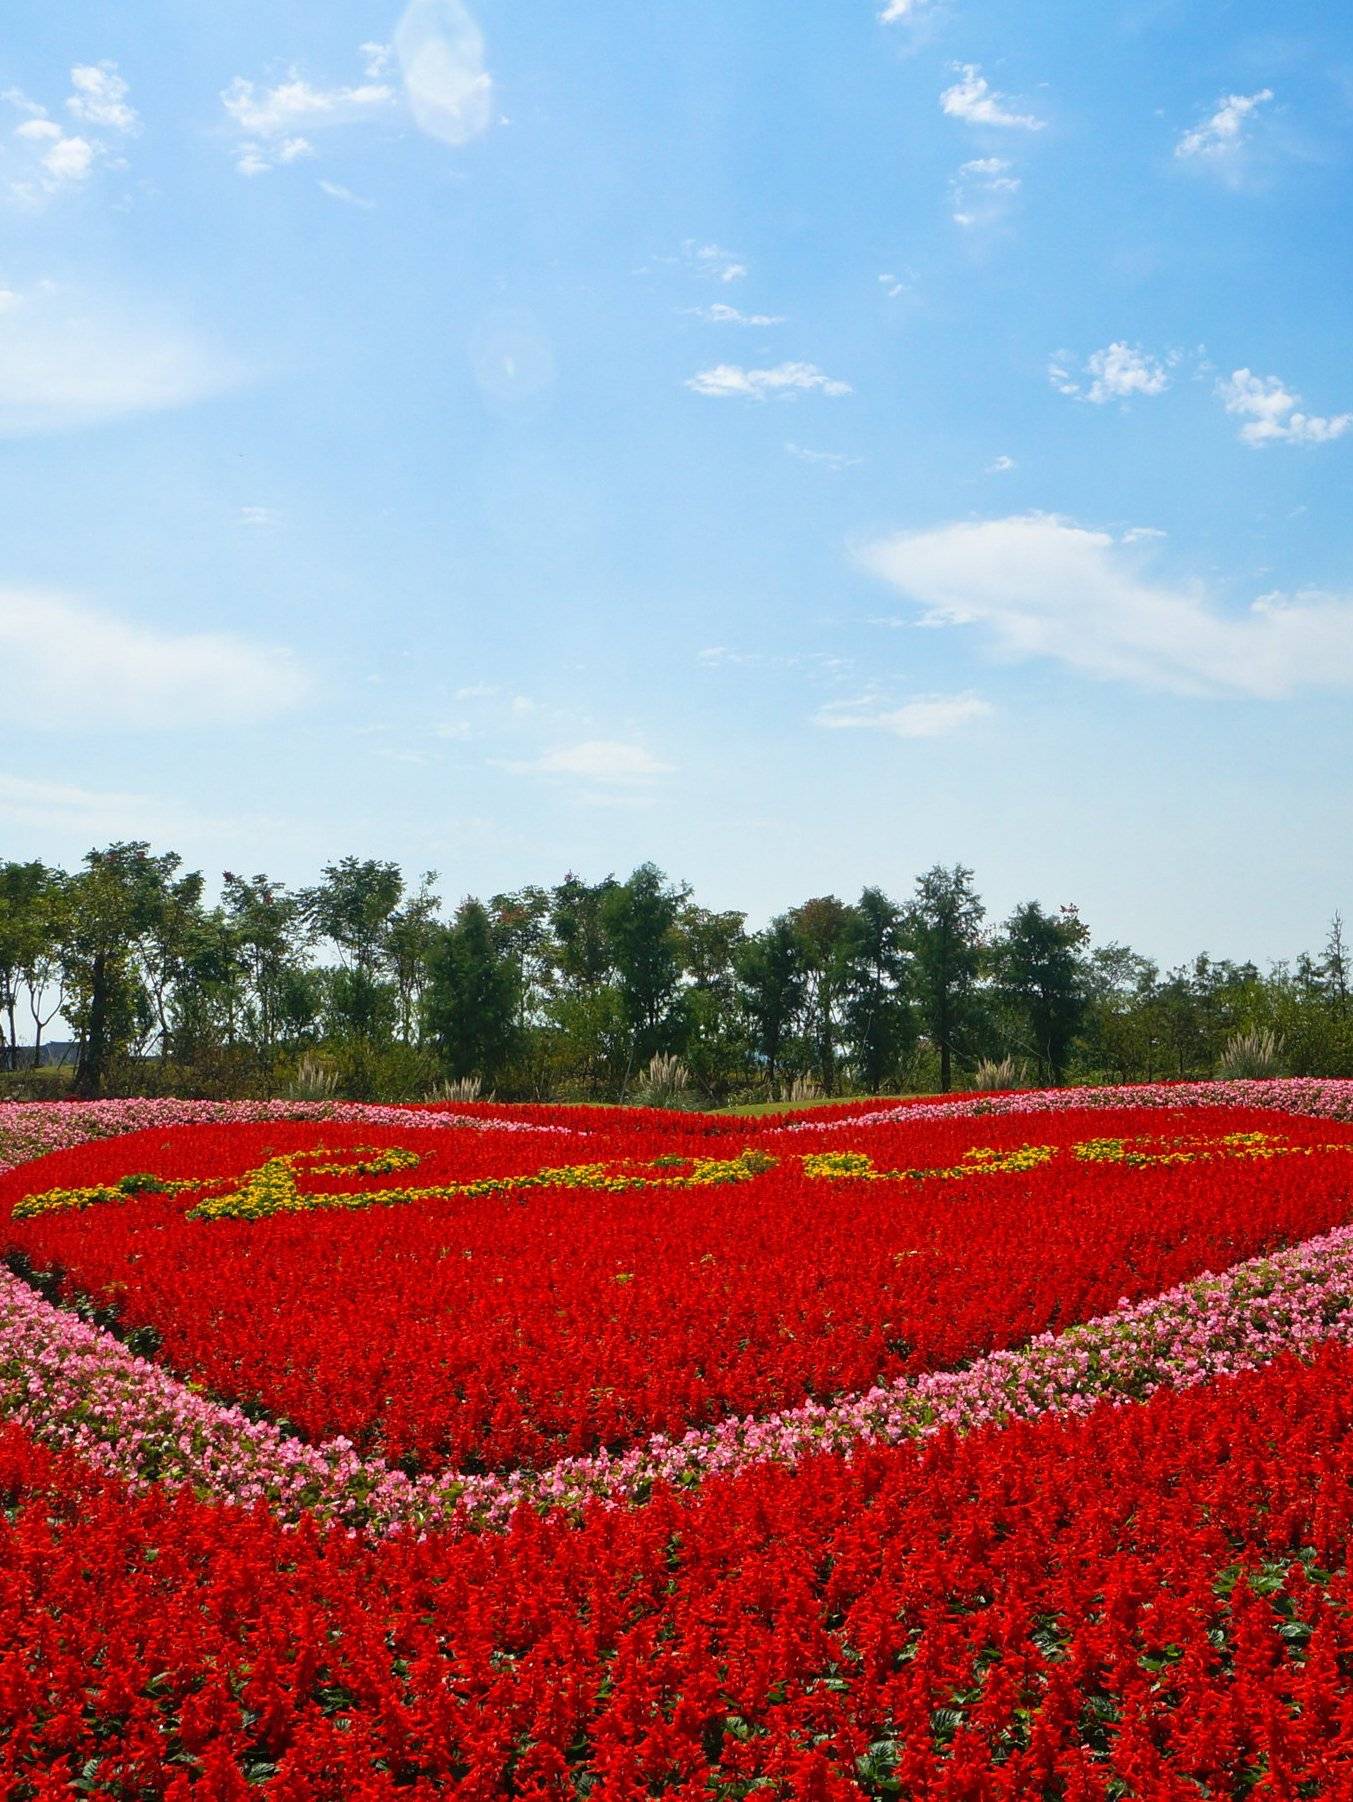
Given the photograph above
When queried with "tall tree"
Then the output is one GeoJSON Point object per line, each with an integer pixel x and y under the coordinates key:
{"type": "Point", "coordinates": [352, 906]}
{"type": "Point", "coordinates": [944, 936]}
{"type": "Point", "coordinates": [877, 1013]}
{"type": "Point", "coordinates": [24, 888]}
{"type": "Point", "coordinates": [639, 917]}
{"type": "Point", "coordinates": [1335, 967]}
{"type": "Point", "coordinates": [410, 936]}
{"type": "Point", "coordinates": [116, 900]}
{"type": "Point", "coordinates": [771, 977]}
{"type": "Point", "coordinates": [1040, 977]}
{"type": "Point", "coordinates": [823, 927]}
{"type": "Point", "coordinates": [264, 937]}
{"type": "Point", "coordinates": [471, 1001]}
{"type": "Point", "coordinates": [713, 1031]}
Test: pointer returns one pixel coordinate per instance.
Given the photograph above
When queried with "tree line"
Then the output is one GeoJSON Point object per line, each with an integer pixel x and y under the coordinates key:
{"type": "Point", "coordinates": [359, 985]}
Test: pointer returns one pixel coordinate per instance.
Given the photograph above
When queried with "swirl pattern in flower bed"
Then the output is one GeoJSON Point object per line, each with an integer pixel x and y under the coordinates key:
{"type": "Point", "coordinates": [455, 1298]}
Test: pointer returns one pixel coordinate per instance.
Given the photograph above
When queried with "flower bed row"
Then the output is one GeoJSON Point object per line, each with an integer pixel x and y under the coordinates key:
{"type": "Point", "coordinates": [75, 1386]}
{"type": "Point", "coordinates": [462, 1301]}
{"type": "Point", "coordinates": [29, 1129]}
{"type": "Point", "coordinates": [1151, 1602]}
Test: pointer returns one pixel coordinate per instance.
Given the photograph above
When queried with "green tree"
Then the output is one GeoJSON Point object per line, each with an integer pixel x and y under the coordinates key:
{"type": "Point", "coordinates": [824, 928]}
{"type": "Point", "coordinates": [582, 950]}
{"type": "Point", "coordinates": [116, 900]}
{"type": "Point", "coordinates": [410, 936]}
{"type": "Point", "coordinates": [1041, 979]}
{"type": "Point", "coordinates": [261, 940]}
{"type": "Point", "coordinates": [639, 918]}
{"type": "Point", "coordinates": [352, 907]}
{"type": "Point", "coordinates": [772, 986]}
{"type": "Point", "coordinates": [40, 968]}
{"type": "Point", "coordinates": [24, 888]}
{"type": "Point", "coordinates": [877, 1014]}
{"type": "Point", "coordinates": [944, 936]}
{"type": "Point", "coordinates": [471, 999]}
{"type": "Point", "coordinates": [713, 1030]}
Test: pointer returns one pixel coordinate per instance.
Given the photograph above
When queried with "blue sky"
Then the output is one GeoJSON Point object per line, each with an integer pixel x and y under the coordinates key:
{"type": "Point", "coordinates": [797, 445]}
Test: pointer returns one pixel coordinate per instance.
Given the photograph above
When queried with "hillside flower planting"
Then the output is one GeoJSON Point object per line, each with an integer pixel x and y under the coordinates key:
{"type": "Point", "coordinates": [994, 1447]}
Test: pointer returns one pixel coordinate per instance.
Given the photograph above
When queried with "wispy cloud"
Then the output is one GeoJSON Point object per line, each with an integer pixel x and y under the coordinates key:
{"type": "Point", "coordinates": [982, 191]}
{"type": "Point", "coordinates": [972, 99]}
{"type": "Point", "coordinates": [712, 261]}
{"type": "Point", "coordinates": [296, 104]}
{"type": "Point", "coordinates": [336, 191]}
{"type": "Point", "coordinates": [74, 360]}
{"type": "Point", "coordinates": [1037, 586]}
{"type": "Point", "coordinates": [1218, 141]}
{"type": "Point", "coordinates": [1120, 371]}
{"type": "Point", "coordinates": [923, 716]}
{"type": "Point", "coordinates": [787, 379]}
{"type": "Point", "coordinates": [71, 665]}
{"type": "Point", "coordinates": [45, 159]}
{"type": "Point", "coordinates": [603, 760]}
{"type": "Point", "coordinates": [442, 84]}
{"type": "Point", "coordinates": [1000, 466]}
{"type": "Point", "coordinates": [1272, 413]}
{"type": "Point", "coordinates": [99, 98]}
{"type": "Point", "coordinates": [722, 314]}
{"type": "Point", "coordinates": [895, 10]}
{"type": "Point", "coordinates": [824, 459]}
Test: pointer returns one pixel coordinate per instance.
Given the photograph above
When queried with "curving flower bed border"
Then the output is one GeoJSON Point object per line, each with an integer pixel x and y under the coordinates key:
{"type": "Point", "coordinates": [75, 1386]}
{"type": "Point", "coordinates": [30, 1129]}
{"type": "Point", "coordinates": [1326, 1097]}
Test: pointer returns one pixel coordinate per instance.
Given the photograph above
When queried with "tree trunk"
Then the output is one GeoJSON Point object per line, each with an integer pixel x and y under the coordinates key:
{"type": "Point", "coordinates": [89, 1074]}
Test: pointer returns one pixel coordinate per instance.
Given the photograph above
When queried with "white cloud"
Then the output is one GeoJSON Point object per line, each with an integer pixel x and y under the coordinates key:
{"type": "Point", "coordinates": [441, 57]}
{"type": "Point", "coordinates": [64, 806]}
{"type": "Point", "coordinates": [72, 361]}
{"type": "Point", "coordinates": [1038, 586]}
{"type": "Point", "coordinates": [100, 98]}
{"type": "Point", "coordinates": [976, 102]}
{"type": "Point", "coordinates": [46, 160]}
{"type": "Point", "coordinates": [712, 261]}
{"type": "Point", "coordinates": [443, 85]}
{"type": "Point", "coordinates": [258, 516]}
{"type": "Point", "coordinates": [982, 190]}
{"type": "Point", "coordinates": [786, 378]}
{"type": "Point", "coordinates": [1120, 371]}
{"type": "Point", "coordinates": [69, 159]}
{"type": "Point", "coordinates": [827, 459]}
{"type": "Point", "coordinates": [596, 760]}
{"type": "Point", "coordinates": [278, 112]}
{"type": "Point", "coordinates": [924, 716]}
{"type": "Point", "coordinates": [1272, 413]}
{"type": "Point", "coordinates": [722, 314]}
{"type": "Point", "coordinates": [1000, 466]}
{"type": "Point", "coordinates": [336, 191]}
{"type": "Point", "coordinates": [69, 665]}
{"type": "Point", "coordinates": [894, 286]}
{"type": "Point", "coordinates": [1220, 138]}
{"type": "Point", "coordinates": [900, 9]}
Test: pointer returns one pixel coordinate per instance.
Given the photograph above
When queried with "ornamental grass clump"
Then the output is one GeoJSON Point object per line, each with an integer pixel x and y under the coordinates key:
{"type": "Point", "coordinates": [1009, 1073]}
{"type": "Point", "coordinates": [1249, 1055]}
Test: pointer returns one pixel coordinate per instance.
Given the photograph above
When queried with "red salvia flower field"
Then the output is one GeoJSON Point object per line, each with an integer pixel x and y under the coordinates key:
{"type": "Point", "coordinates": [1147, 1600]}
